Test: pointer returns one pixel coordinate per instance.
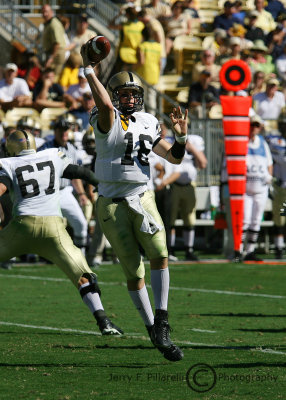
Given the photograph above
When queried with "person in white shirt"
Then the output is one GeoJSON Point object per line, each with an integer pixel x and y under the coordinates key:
{"type": "Point", "coordinates": [268, 104]}
{"type": "Point", "coordinates": [258, 178]}
{"type": "Point", "coordinates": [14, 92]}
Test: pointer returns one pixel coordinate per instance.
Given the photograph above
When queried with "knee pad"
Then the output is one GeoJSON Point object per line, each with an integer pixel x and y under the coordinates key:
{"type": "Point", "coordinates": [92, 287]}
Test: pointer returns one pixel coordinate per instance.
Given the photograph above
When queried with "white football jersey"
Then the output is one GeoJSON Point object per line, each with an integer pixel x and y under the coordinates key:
{"type": "Point", "coordinates": [258, 160]}
{"type": "Point", "coordinates": [123, 153]}
{"type": "Point", "coordinates": [34, 181]}
{"type": "Point", "coordinates": [188, 168]}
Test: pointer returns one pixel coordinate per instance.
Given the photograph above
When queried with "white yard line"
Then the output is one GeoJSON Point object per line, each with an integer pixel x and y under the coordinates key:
{"type": "Point", "coordinates": [228, 292]}
{"type": "Point", "coordinates": [135, 336]}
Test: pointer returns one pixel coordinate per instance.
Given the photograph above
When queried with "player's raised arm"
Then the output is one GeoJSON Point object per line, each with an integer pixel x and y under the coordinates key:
{"type": "Point", "coordinates": [175, 153]}
{"type": "Point", "coordinates": [100, 95]}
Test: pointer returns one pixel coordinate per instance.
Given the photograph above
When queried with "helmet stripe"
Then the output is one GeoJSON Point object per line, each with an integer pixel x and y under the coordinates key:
{"type": "Point", "coordinates": [27, 139]}
{"type": "Point", "coordinates": [131, 76]}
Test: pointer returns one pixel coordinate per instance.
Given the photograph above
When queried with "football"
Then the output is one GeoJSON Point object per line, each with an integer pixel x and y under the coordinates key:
{"type": "Point", "coordinates": [98, 48]}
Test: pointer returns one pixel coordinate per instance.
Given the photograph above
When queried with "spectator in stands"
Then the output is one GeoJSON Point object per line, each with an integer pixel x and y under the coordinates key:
{"type": "Point", "coordinates": [207, 63]}
{"type": "Point", "coordinates": [253, 32]}
{"type": "Point", "coordinates": [47, 93]}
{"type": "Point", "coordinates": [158, 9]}
{"type": "Point", "coordinates": [275, 41]}
{"type": "Point", "coordinates": [158, 32]}
{"type": "Point", "coordinates": [258, 84]}
{"type": "Point", "coordinates": [238, 12]}
{"type": "Point", "coordinates": [66, 24]}
{"type": "Point", "coordinates": [69, 75]}
{"type": "Point", "coordinates": [53, 41]}
{"type": "Point", "coordinates": [264, 19]}
{"type": "Point", "coordinates": [202, 95]}
{"type": "Point", "coordinates": [258, 178]}
{"type": "Point", "coordinates": [131, 37]}
{"type": "Point", "coordinates": [277, 143]}
{"type": "Point", "coordinates": [234, 50]}
{"type": "Point", "coordinates": [238, 30]}
{"type": "Point", "coordinates": [261, 61]}
{"type": "Point", "coordinates": [148, 67]}
{"type": "Point", "coordinates": [280, 64]}
{"type": "Point", "coordinates": [30, 68]}
{"type": "Point", "coordinates": [82, 34]}
{"type": "Point", "coordinates": [191, 10]}
{"type": "Point", "coordinates": [14, 92]}
{"type": "Point", "coordinates": [275, 7]}
{"type": "Point", "coordinates": [218, 43]}
{"type": "Point", "coordinates": [226, 19]}
{"type": "Point", "coordinates": [82, 112]}
{"type": "Point", "coordinates": [177, 24]}
{"type": "Point", "coordinates": [74, 94]}
{"type": "Point", "coordinates": [269, 104]}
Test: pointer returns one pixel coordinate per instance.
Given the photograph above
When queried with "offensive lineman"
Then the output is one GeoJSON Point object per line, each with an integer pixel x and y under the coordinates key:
{"type": "Point", "coordinates": [33, 180]}
{"type": "Point", "coordinates": [70, 207]}
{"type": "Point", "coordinates": [126, 210]}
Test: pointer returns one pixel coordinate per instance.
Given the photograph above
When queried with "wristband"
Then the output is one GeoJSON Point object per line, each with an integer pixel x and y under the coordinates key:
{"type": "Point", "coordinates": [88, 71]}
{"type": "Point", "coordinates": [181, 139]}
{"type": "Point", "coordinates": [178, 150]}
{"type": "Point", "coordinates": [80, 194]}
{"type": "Point", "coordinates": [157, 181]}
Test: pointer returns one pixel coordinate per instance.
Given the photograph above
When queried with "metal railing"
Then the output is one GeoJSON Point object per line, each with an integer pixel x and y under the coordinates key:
{"type": "Point", "coordinates": [16, 27]}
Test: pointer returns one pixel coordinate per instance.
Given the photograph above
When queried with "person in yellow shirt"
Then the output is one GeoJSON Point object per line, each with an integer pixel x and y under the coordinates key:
{"type": "Point", "coordinates": [131, 37]}
{"type": "Point", "coordinates": [264, 20]}
{"type": "Point", "coordinates": [148, 66]}
{"type": "Point", "coordinates": [69, 75]}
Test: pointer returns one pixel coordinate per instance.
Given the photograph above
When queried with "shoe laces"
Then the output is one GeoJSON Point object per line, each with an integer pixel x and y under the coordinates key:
{"type": "Point", "coordinates": [165, 329]}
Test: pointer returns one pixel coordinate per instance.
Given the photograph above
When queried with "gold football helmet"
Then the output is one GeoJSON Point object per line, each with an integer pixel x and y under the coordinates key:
{"type": "Point", "coordinates": [88, 141]}
{"type": "Point", "coordinates": [126, 80]}
{"type": "Point", "coordinates": [18, 141]}
{"type": "Point", "coordinates": [30, 124]}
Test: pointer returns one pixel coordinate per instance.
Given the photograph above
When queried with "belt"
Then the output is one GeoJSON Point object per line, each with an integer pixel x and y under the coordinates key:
{"type": "Point", "coordinates": [182, 184]}
{"type": "Point", "coordinates": [120, 199]}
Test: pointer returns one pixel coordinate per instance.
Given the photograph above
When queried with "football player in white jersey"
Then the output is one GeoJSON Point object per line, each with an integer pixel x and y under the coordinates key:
{"type": "Point", "coordinates": [126, 208]}
{"type": "Point", "coordinates": [33, 180]}
{"type": "Point", "coordinates": [258, 178]}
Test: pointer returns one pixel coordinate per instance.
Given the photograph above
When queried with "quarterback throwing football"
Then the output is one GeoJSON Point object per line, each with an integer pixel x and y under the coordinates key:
{"type": "Point", "coordinates": [126, 210]}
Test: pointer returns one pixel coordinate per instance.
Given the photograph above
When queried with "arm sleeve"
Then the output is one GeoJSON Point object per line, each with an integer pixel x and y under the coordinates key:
{"type": "Point", "coordinates": [6, 181]}
{"type": "Point", "coordinates": [73, 171]}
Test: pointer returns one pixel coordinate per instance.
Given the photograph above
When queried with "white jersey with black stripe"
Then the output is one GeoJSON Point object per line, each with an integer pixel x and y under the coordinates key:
{"type": "Point", "coordinates": [33, 181]}
{"type": "Point", "coordinates": [122, 162]}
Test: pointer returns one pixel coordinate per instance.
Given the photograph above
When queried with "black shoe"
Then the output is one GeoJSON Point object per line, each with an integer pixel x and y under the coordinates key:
{"type": "Point", "coordinates": [107, 327]}
{"type": "Point", "coordinates": [252, 257]}
{"type": "Point", "coordinates": [279, 254]}
{"type": "Point", "coordinates": [190, 256]}
{"type": "Point", "coordinates": [159, 335]}
{"type": "Point", "coordinates": [237, 257]}
{"type": "Point", "coordinates": [6, 265]}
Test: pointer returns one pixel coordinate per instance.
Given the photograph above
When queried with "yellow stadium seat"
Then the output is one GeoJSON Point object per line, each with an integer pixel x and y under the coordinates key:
{"type": "Point", "coordinates": [49, 114]}
{"type": "Point", "coordinates": [13, 116]}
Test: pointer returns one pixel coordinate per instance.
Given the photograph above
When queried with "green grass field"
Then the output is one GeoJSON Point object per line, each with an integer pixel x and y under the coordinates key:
{"type": "Point", "coordinates": [230, 317]}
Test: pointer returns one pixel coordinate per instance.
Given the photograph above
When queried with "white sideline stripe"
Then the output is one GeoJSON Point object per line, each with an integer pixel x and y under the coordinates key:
{"type": "Point", "coordinates": [50, 328]}
{"type": "Point", "coordinates": [202, 330]}
{"type": "Point", "coordinates": [40, 278]}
